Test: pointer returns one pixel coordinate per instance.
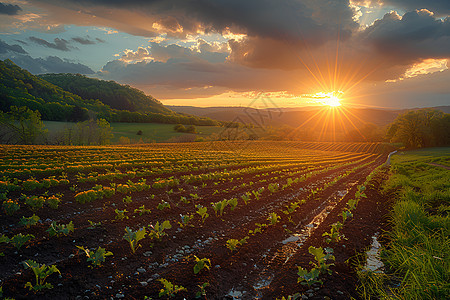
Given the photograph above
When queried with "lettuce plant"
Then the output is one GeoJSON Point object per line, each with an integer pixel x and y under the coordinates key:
{"type": "Point", "coordinates": [41, 272]}
{"type": "Point", "coordinates": [96, 258]}
{"type": "Point", "coordinates": [133, 237]}
{"type": "Point", "coordinates": [60, 229]}
{"type": "Point", "coordinates": [200, 264]}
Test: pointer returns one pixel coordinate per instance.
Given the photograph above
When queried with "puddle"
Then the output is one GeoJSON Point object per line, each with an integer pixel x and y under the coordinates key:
{"type": "Point", "coordinates": [235, 294]}
{"type": "Point", "coordinates": [373, 262]}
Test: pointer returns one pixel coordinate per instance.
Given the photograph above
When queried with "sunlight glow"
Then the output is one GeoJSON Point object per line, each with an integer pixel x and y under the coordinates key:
{"type": "Point", "coordinates": [331, 99]}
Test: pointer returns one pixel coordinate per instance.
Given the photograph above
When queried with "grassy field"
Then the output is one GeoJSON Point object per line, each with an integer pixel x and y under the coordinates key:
{"type": "Point", "coordinates": [417, 256]}
{"type": "Point", "coordinates": [151, 132]}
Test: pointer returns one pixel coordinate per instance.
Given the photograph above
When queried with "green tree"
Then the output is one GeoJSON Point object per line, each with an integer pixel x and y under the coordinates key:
{"type": "Point", "coordinates": [21, 125]}
{"type": "Point", "coordinates": [419, 128]}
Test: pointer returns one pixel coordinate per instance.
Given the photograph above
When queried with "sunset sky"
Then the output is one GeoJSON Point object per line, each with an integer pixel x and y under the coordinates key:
{"type": "Point", "coordinates": [391, 53]}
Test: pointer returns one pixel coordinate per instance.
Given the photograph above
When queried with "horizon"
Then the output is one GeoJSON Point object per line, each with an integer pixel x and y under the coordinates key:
{"type": "Point", "coordinates": [387, 54]}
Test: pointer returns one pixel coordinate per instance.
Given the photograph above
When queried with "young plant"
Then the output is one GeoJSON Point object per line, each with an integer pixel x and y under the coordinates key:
{"type": "Point", "coordinates": [10, 207]}
{"type": "Point", "coordinates": [334, 234]}
{"type": "Point", "coordinates": [185, 219]}
{"type": "Point", "coordinates": [53, 201]}
{"type": "Point", "coordinates": [273, 218]}
{"type": "Point", "coordinates": [219, 206]}
{"type": "Point", "coordinates": [202, 291]}
{"type": "Point", "coordinates": [163, 205]}
{"type": "Point", "coordinates": [246, 198]}
{"type": "Point", "coordinates": [127, 200]}
{"type": "Point", "coordinates": [169, 289]}
{"type": "Point", "coordinates": [346, 214]}
{"type": "Point", "coordinates": [184, 200]}
{"type": "Point", "coordinates": [202, 211]}
{"type": "Point", "coordinates": [201, 264]}
{"type": "Point", "coordinates": [233, 202]}
{"type": "Point", "coordinates": [41, 272]}
{"type": "Point", "coordinates": [120, 214]}
{"type": "Point", "coordinates": [133, 237]}
{"type": "Point", "coordinates": [157, 230]}
{"type": "Point", "coordinates": [19, 240]}
{"type": "Point", "coordinates": [94, 225]}
{"type": "Point", "coordinates": [309, 278]}
{"type": "Point", "coordinates": [35, 202]}
{"type": "Point", "coordinates": [232, 244]}
{"type": "Point", "coordinates": [142, 210]}
{"type": "Point", "coordinates": [96, 258]}
{"type": "Point", "coordinates": [28, 222]}
{"type": "Point", "coordinates": [194, 196]}
{"type": "Point", "coordinates": [60, 229]}
{"type": "Point", "coordinates": [322, 258]}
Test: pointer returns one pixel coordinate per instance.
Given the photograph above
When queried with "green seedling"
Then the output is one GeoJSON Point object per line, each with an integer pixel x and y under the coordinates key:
{"type": "Point", "coordinates": [346, 214]}
{"type": "Point", "coordinates": [163, 205]}
{"type": "Point", "coordinates": [202, 211]}
{"type": "Point", "coordinates": [194, 196]}
{"type": "Point", "coordinates": [30, 221]}
{"type": "Point", "coordinates": [157, 230]}
{"type": "Point", "coordinates": [169, 289]}
{"type": "Point", "coordinates": [352, 204]}
{"type": "Point", "coordinates": [233, 202]}
{"type": "Point", "coordinates": [309, 278]}
{"type": "Point", "coordinates": [120, 214]}
{"type": "Point", "coordinates": [202, 291]}
{"type": "Point", "coordinates": [53, 201]}
{"type": "Point", "coordinates": [35, 202]}
{"type": "Point", "coordinates": [142, 210]}
{"type": "Point", "coordinates": [273, 218]}
{"type": "Point", "coordinates": [133, 237]}
{"type": "Point", "coordinates": [185, 219]}
{"type": "Point", "coordinates": [246, 198]}
{"type": "Point", "coordinates": [96, 258]}
{"type": "Point", "coordinates": [219, 207]}
{"type": "Point", "coordinates": [60, 229]}
{"type": "Point", "coordinates": [232, 244]}
{"type": "Point", "coordinates": [41, 272]}
{"type": "Point", "coordinates": [201, 264]}
{"type": "Point", "coordinates": [94, 225]}
{"type": "Point", "coordinates": [19, 240]}
{"type": "Point", "coordinates": [127, 199]}
{"type": "Point", "coordinates": [184, 200]}
{"type": "Point", "coordinates": [10, 207]}
{"type": "Point", "coordinates": [334, 234]}
{"type": "Point", "coordinates": [322, 258]}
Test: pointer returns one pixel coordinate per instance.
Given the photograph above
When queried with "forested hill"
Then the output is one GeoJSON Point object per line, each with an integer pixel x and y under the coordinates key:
{"type": "Point", "coordinates": [18, 87]}
{"type": "Point", "coordinates": [117, 96]}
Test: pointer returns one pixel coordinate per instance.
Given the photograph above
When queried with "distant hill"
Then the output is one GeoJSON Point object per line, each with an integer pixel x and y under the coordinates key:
{"type": "Point", "coordinates": [97, 98]}
{"type": "Point", "coordinates": [117, 96]}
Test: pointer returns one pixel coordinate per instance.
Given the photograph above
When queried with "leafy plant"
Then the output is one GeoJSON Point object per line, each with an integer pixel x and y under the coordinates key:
{"type": "Point", "coordinates": [202, 211]}
{"type": "Point", "coordinates": [246, 198]}
{"type": "Point", "coordinates": [127, 199]}
{"type": "Point", "coordinates": [346, 214]}
{"type": "Point", "coordinates": [96, 258]}
{"type": "Point", "coordinates": [41, 272]}
{"type": "Point", "coordinates": [169, 289]}
{"type": "Point", "coordinates": [308, 278]}
{"type": "Point", "coordinates": [233, 202]}
{"type": "Point", "coordinates": [53, 201]}
{"type": "Point", "coordinates": [219, 206]}
{"type": "Point", "coordinates": [120, 214]}
{"type": "Point", "coordinates": [10, 207]}
{"type": "Point", "coordinates": [142, 210]}
{"type": "Point", "coordinates": [232, 244]}
{"type": "Point", "coordinates": [163, 205]}
{"type": "Point", "coordinates": [334, 234]}
{"type": "Point", "coordinates": [133, 237]}
{"type": "Point", "coordinates": [60, 229]}
{"type": "Point", "coordinates": [273, 218]}
{"type": "Point", "coordinates": [185, 219]}
{"type": "Point", "coordinates": [322, 258]}
{"type": "Point", "coordinates": [157, 230]}
{"type": "Point", "coordinates": [202, 291]}
{"type": "Point", "coordinates": [93, 224]}
{"type": "Point", "coordinates": [19, 240]}
{"type": "Point", "coordinates": [35, 202]}
{"type": "Point", "coordinates": [201, 264]}
{"type": "Point", "coordinates": [30, 221]}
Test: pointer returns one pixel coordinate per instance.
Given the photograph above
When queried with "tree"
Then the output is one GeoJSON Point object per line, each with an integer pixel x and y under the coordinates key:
{"type": "Point", "coordinates": [21, 125]}
{"type": "Point", "coordinates": [420, 128]}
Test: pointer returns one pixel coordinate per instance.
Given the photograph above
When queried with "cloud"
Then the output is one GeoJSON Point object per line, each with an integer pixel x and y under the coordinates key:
{"type": "Point", "coordinates": [5, 48]}
{"type": "Point", "coordinates": [59, 44]}
{"type": "Point", "coordinates": [87, 40]}
{"type": "Point", "coordinates": [405, 39]}
{"type": "Point", "coordinates": [9, 9]}
{"type": "Point", "coordinates": [51, 64]}
{"type": "Point", "coordinates": [440, 7]}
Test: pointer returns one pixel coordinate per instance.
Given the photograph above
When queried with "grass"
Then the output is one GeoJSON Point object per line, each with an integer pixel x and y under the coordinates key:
{"type": "Point", "coordinates": [151, 132]}
{"type": "Point", "coordinates": [417, 256]}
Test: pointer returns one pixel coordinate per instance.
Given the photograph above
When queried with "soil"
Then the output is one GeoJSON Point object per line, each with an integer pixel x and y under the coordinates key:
{"type": "Point", "coordinates": [265, 267]}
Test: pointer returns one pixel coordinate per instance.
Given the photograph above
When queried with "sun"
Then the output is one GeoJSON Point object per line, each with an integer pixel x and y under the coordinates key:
{"type": "Point", "coordinates": [331, 99]}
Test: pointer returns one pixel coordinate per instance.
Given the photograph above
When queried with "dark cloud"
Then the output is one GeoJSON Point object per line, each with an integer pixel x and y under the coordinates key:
{"type": "Point", "coordinates": [416, 35]}
{"type": "Point", "coordinates": [5, 48]}
{"type": "Point", "coordinates": [440, 7]}
{"type": "Point", "coordinates": [51, 64]}
{"type": "Point", "coordinates": [87, 40]}
{"type": "Point", "coordinates": [9, 9]}
{"type": "Point", "coordinates": [59, 44]}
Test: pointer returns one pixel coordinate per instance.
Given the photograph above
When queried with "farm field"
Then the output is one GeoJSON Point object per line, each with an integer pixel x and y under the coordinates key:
{"type": "Point", "coordinates": [223, 219]}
